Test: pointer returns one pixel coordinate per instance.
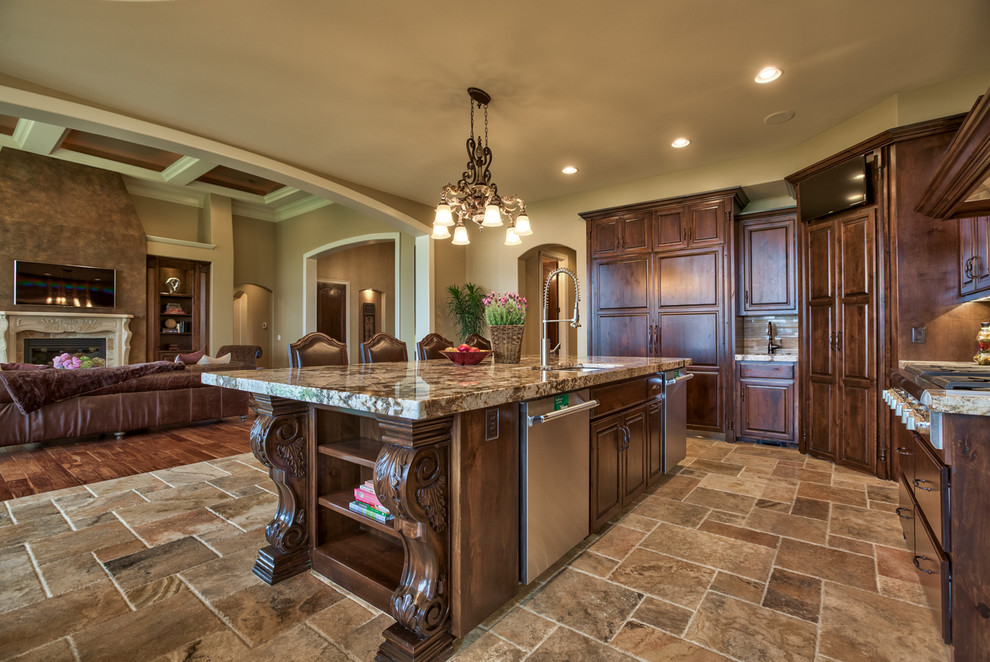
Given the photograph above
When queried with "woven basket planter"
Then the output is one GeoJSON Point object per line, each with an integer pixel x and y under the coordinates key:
{"type": "Point", "coordinates": [506, 342]}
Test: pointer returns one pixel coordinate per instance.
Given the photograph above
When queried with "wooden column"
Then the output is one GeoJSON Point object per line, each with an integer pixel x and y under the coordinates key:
{"type": "Point", "coordinates": [412, 478]}
{"type": "Point", "coordinates": [278, 440]}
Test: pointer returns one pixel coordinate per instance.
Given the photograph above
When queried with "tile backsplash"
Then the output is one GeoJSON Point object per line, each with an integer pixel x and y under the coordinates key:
{"type": "Point", "coordinates": [751, 334]}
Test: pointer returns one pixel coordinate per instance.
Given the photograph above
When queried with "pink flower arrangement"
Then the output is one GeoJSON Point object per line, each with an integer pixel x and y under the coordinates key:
{"type": "Point", "coordinates": [66, 361]}
{"type": "Point", "coordinates": [508, 308]}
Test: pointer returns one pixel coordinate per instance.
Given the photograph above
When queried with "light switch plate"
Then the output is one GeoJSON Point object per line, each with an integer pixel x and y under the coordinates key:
{"type": "Point", "coordinates": [919, 334]}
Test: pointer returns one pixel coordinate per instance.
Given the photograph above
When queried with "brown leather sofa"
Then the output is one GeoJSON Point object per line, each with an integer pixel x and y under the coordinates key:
{"type": "Point", "coordinates": [169, 398]}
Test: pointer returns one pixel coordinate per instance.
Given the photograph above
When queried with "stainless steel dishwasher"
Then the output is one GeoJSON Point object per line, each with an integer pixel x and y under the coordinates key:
{"type": "Point", "coordinates": [555, 465]}
{"type": "Point", "coordinates": [674, 418]}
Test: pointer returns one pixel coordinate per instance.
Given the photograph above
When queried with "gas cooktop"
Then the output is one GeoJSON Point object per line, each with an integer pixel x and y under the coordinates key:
{"type": "Point", "coordinates": [951, 376]}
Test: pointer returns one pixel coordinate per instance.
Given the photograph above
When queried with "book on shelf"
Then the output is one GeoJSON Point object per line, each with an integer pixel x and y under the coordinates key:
{"type": "Point", "coordinates": [362, 495]}
{"type": "Point", "coordinates": [369, 512]}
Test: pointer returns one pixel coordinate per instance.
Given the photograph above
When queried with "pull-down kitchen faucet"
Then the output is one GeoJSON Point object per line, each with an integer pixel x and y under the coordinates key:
{"type": "Point", "coordinates": [575, 321]}
{"type": "Point", "coordinates": [771, 346]}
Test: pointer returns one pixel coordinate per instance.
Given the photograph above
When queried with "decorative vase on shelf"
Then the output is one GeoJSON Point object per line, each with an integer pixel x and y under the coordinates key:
{"type": "Point", "coordinates": [983, 339]}
{"type": "Point", "coordinates": [506, 342]}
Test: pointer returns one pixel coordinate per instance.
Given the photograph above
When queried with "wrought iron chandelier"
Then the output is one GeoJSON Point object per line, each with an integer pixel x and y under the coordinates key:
{"type": "Point", "coordinates": [475, 197]}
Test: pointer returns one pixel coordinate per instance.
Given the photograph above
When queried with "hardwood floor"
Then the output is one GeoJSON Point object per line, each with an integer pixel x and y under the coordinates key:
{"type": "Point", "coordinates": [35, 468]}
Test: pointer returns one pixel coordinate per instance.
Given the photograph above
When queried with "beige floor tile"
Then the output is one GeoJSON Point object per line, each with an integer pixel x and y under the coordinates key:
{"type": "Point", "coordinates": [194, 522]}
{"type": "Point", "coordinates": [219, 646]}
{"type": "Point", "coordinates": [827, 563]}
{"type": "Point", "coordinates": [618, 542]}
{"type": "Point", "coordinates": [248, 512]}
{"type": "Point", "coordinates": [734, 503]}
{"type": "Point", "coordinates": [155, 591]}
{"type": "Point", "coordinates": [740, 533]}
{"type": "Point", "coordinates": [899, 589]}
{"type": "Point", "coordinates": [156, 562]}
{"type": "Point", "coordinates": [735, 556]}
{"type": "Point", "coordinates": [594, 564]}
{"type": "Point", "coordinates": [859, 626]}
{"type": "Point", "coordinates": [867, 525]}
{"type": "Point", "coordinates": [524, 628]}
{"type": "Point", "coordinates": [32, 530]}
{"type": "Point", "coordinates": [726, 625]}
{"type": "Point", "coordinates": [23, 512]}
{"type": "Point", "coordinates": [657, 507]}
{"type": "Point", "coordinates": [297, 643]}
{"type": "Point", "coordinates": [56, 651]}
{"type": "Point", "coordinates": [363, 642]}
{"type": "Point", "coordinates": [167, 503]}
{"type": "Point", "coordinates": [85, 510]}
{"type": "Point", "coordinates": [654, 645]}
{"type": "Point", "coordinates": [177, 620]}
{"type": "Point", "coordinates": [189, 474]}
{"type": "Point", "coordinates": [811, 508]}
{"type": "Point", "coordinates": [600, 611]}
{"type": "Point", "coordinates": [748, 486]}
{"type": "Point", "coordinates": [833, 494]}
{"type": "Point", "coordinates": [73, 572]}
{"type": "Point", "coordinates": [784, 524]}
{"type": "Point", "coordinates": [20, 585]}
{"type": "Point", "coordinates": [725, 468]}
{"type": "Point", "coordinates": [341, 618]}
{"type": "Point", "coordinates": [675, 580]}
{"type": "Point", "coordinates": [125, 484]}
{"type": "Point", "coordinates": [262, 611]}
{"type": "Point", "coordinates": [219, 577]}
{"type": "Point", "coordinates": [565, 644]}
{"type": "Point", "coordinates": [663, 615]}
{"type": "Point", "coordinates": [794, 594]}
{"type": "Point", "coordinates": [735, 586]}
{"type": "Point", "coordinates": [89, 539]}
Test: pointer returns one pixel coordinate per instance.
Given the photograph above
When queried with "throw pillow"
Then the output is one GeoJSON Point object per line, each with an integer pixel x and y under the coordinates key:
{"type": "Point", "coordinates": [189, 359]}
{"type": "Point", "coordinates": [206, 360]}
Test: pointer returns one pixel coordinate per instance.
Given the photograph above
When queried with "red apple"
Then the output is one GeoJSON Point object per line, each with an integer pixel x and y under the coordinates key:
{"type": "Point", "coordinates": [474, 349]}
{"type": "Point", "coordinates": [464, 348]}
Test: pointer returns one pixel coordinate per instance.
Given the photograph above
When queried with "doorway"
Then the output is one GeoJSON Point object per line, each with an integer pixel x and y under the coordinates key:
{"type": "Point", "coordinates": [332, 297]}
{"type": "Point", "coordinates": [252, 320]}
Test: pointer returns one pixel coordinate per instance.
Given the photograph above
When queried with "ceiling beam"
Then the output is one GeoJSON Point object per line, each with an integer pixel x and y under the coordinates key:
{"type": "Point", "coordinates": [187, 170]}
{"type": "Point", "coordinates": [38, 137]}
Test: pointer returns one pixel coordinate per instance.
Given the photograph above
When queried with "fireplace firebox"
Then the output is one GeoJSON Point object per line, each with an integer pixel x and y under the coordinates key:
{"type": "Point", "coordinates": [43, 350]}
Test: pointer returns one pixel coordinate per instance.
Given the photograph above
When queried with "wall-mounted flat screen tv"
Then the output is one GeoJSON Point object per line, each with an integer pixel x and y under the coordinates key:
{"type": "Point", "coordinates": [841, 187]}
{"type": "Point", "coordinates": [38, 284]}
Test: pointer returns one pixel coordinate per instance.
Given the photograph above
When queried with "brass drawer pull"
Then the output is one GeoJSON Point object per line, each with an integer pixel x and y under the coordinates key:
{"type": "Point", "coordinates": [902, 515]}
{"type": "Point", "coordinates": [922, 480]}
{"type": "Point", "coordinates": [917, 565]}
{"type": "Point", "coordinates": [901, 450]}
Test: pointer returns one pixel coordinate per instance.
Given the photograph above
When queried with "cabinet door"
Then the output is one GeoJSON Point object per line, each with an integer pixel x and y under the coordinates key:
{"type": "Point", "coordinates": [818, 340]}
{"type": "Point", "coordinates": [766, 409]}
{"type": "Point", "coordinates": [607, 437]}
{"type": "Point", "coordinates": [981, 253]}
{"type": "Point", "coordinates": [606, 237]}
{"type": "Point", "coordinates": [636, 233]}
{"type": "Point", "coordinates": [854, 345]}
{"type": "Point", "coordinates": [705, 223]}
{"type": "Point", "coordinates": [767, 248]}
{"type": "Point", "coordinates": [668, 229]}
{"type": "Point", "coordinates": [621, 324]}
{"type": "Point", "coordinates": [634, 456]}
{"type": "Point", "coordinates": [654, 434]}
{"type": "Point", "coordinates": [967, 245]}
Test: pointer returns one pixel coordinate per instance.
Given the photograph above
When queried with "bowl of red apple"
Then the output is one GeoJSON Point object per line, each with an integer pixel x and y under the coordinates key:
{"type": "Point", "coordinates": [466, 355]}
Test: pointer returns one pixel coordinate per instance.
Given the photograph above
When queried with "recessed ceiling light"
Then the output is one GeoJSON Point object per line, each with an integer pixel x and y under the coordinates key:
{"type": "Point", "coordinates": [569, 170]}
{"type": "Point", "coordinates": [779, 117]}
{"type": "Point", "coordinates": [680, 142]}
{"type": "Point", "coordinates": [768, 74]}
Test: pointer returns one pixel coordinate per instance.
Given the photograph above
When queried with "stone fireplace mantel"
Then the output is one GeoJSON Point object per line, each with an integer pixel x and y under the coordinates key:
{"type": "Point", "coordinates": [15, 326]}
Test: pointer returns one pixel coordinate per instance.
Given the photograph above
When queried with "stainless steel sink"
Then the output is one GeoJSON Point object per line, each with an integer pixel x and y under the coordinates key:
{"type": "Point", "coordinates": [576, 367]}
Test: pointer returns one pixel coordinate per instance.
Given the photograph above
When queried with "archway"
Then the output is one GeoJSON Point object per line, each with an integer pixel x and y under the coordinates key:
{"type": "Point", "coordinates": [533, 266]}
{"type": "Point", "coordinates": [252, 321]}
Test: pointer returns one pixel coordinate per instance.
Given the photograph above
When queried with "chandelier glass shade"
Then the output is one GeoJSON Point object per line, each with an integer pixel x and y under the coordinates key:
{"type": "Point", "coordinates": [475, 197]}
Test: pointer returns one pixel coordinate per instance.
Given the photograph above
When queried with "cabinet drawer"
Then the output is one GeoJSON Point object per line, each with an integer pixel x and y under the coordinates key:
{"type": "Point", "coordinates": [906, 509]}
{"type": "Point", "coordinates": [612, 397]}
{"type": "Point", "coordinates": [766, 370]}
{"type": "Point", "coordinates": [934, 572]}
{"type": "Point", "coordinates": [931, 491]}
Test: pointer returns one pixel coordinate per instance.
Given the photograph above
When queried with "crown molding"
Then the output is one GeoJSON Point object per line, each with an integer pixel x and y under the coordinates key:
{"type": "Point", "coordinates": [179, 242]}
{"type": "Point", "coordinates": [166, 192]}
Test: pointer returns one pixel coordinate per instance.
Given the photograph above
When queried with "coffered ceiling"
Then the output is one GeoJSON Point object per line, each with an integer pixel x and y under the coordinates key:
{"type": "Point", "coordinates": [374, 92]}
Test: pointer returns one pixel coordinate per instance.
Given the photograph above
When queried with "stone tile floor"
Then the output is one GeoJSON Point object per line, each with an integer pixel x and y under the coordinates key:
{"type": "Point", "coordinates": [745, 553]}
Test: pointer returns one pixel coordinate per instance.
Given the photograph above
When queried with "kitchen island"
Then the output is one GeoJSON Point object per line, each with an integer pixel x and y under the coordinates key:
{"type": "Point", "coordinates": [441, 444]}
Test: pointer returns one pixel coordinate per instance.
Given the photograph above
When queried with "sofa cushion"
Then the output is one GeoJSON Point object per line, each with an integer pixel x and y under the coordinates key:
{"type": "Point", "coordinates": [207, 360]}
{"type": "Point", "coordinates": [189, 359]}
{"type": "Point", "coordinates": [23, 366]}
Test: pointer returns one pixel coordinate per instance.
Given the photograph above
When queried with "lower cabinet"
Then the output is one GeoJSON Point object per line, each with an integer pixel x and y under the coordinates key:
{"type": "Point", "coordinates": [626, 445]}
{"type": "Point", "coordinates": [766, 408]}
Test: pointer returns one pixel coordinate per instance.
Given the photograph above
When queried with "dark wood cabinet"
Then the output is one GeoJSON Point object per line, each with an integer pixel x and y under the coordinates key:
{"type": "Point", "coordinates": [676, 300]}
{"type": "Point", "coordinates": [178, 307]}
{"type": "Point", "coordinates": [839, 368]}
{"type": "Point", "coordinates": [766, 407]}
{"type": "Point", "coordinates": [621, 234]}
{"type": "Point", "coordinates": [691, 225]}
{"type": "Point", "coordinates": [625, 435]}
{"type": "Point", "coordinates": [767, 263]}
{"type": "Point", "coordinates": [974, 256]}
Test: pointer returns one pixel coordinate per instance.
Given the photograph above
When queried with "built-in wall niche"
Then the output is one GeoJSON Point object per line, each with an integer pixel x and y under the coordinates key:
{"type": "Point", "coordinates": [178, 307]}
{"type": "Point", "coordinates": [371, 304]}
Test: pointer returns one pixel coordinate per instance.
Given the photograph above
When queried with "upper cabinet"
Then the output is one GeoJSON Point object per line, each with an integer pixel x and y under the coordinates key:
{"type": "Point", "coordinates": [767, 258]}
{"type": "Point", "coordinates": [974, 256]}
{"type": "Point", "coordinates": [620, 235]}
{"type": "Point", "coordinates": [694, 225]}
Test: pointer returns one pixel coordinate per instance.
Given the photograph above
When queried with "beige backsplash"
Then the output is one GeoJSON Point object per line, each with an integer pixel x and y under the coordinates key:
{"type": "Point", "coordinates": [751, 334]}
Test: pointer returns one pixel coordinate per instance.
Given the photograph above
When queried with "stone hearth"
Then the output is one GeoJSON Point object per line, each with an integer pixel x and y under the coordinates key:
{"type": "Point", "coordinates": [16, 326]}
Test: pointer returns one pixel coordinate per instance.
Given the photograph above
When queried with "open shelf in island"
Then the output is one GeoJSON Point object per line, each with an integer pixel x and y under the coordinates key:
{"type": "Point", "coordinates": [338, 502]}
{"type": "Point", "coordinates": [368, 565]}
{"type": "Point", "coordinates": [359, 450]}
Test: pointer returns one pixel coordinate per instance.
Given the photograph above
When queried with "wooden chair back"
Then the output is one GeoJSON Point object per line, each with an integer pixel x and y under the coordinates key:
{"type": "Point", "coordinates": [431, 345]}
{"type": "Point", "coordinates": [317, 349]}
{"type": "Point", "coordinates": [383, 348]}
{"type": "Point", "coordinates": [474, 340]}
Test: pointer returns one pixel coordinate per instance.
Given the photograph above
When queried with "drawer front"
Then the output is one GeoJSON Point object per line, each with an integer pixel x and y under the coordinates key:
{"type": "Point", "coordinates": [612, 397]}
{"type": "Point", "coordinates": [766, 370]}
{"type": "Point", "coordinates": [905, 510]}
{"type": "Point", "coordinates": [931, 491]}
{"type": "Point", "coordinates": [933, 570]}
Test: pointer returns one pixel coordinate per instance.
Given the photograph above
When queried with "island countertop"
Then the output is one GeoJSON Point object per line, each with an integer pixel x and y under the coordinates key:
{"type": "Point", "coordinates": [420, 390]}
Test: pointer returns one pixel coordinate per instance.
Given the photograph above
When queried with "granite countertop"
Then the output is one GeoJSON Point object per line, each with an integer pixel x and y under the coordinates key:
{"type": "Point", "coordinates": [970, 403]}
{"type": "Point", "coordinates": [427, 389]}
{"type": "Point", "coordinates": [776, 358]}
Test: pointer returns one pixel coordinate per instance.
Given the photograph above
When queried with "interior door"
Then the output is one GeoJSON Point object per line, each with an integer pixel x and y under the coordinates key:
{"type": "Point", "coordinates": [819, 439]}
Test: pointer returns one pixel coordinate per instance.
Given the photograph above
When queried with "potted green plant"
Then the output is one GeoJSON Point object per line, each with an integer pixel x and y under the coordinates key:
{"type": "Point", "coordinates": [466, 308]}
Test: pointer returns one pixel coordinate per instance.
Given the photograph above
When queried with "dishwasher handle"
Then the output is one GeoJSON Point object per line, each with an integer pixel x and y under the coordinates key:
{"type": "Point", "coordinates": [678, 380]}
{"type": "Point", "coordinates": [560, 413]}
